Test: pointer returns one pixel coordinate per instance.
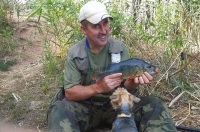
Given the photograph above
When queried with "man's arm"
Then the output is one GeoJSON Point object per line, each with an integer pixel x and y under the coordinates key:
{"type": "Point", "coordinates": [79, 92]}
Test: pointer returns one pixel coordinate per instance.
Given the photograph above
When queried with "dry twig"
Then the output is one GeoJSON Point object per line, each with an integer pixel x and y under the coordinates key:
{"type": "Point", "coordinates": [38, 128]}
{"type": "Point", "coordinates": [175, 99]}
{"type": "Point", "coordinates": [182, 120]}
{"type": "Point", "coordinates": [180, 112]}
{"type": "Point", "coordinates": [165, 73]}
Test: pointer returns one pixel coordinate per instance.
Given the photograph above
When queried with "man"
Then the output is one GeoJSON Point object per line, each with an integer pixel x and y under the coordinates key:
{"type": "Point", "coordinates": [86, 104]}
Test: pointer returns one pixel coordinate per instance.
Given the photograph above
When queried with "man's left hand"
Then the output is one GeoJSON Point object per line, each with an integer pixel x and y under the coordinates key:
{"type": "Point", "coordinates": [143, 79]}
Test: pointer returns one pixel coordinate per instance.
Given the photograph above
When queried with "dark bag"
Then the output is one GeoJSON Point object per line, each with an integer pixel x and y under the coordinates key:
{"type": "Point", "coordinates": [60, 95]}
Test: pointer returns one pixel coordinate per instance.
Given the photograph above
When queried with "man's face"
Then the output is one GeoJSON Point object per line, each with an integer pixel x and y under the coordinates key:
{"type": "Point", "coordinates": [97, 34]}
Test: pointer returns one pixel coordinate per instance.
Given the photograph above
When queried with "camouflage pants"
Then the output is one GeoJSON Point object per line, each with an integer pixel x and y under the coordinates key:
{"type": "Point", "coordinates": [151, 115]}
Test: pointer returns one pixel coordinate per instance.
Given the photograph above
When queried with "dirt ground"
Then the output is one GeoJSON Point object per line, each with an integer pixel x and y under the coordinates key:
{"type": "Point", "coordinates": [23, 103]}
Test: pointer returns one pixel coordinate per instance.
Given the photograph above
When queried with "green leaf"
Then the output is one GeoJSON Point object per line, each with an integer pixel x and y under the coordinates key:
{"type": "Point", "coordinates": [36, 11]}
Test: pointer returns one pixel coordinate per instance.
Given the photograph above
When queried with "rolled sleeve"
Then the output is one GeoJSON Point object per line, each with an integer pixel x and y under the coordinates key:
{"type": "Point", "coordinates": [72, 75]}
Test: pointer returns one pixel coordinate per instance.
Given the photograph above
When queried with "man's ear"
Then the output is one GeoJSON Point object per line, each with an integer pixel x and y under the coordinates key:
{"type": "Point", "coordinates": [83, 29]}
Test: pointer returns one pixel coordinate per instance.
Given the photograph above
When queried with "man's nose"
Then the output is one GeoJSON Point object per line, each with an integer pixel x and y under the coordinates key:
{"type": "Point", "coordinates": [103, 30]}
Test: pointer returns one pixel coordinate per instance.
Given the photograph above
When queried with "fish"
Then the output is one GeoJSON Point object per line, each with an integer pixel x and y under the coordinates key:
{"type": "Point", "coordinates": [130, 69]}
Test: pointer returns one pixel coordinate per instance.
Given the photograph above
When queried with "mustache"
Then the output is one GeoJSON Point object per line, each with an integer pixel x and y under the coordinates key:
{"type": "Point", "coordinates": [102, 35]}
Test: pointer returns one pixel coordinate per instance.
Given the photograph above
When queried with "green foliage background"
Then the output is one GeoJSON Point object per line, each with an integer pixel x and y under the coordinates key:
{"type": "Point", "coordinates": [157, 32]}
{"type": "Point", "coordinates": [6, 43]}
{"type": "Point", "coordinates": [164, 34]}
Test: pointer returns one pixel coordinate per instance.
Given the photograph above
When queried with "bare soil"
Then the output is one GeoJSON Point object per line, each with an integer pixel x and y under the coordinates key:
{"type": "Point", "coordinates": [23, 103]}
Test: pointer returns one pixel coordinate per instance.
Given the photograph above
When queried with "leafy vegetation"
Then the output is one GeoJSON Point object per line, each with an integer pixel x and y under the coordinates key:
{"type": "Point", "coordinates": [155, 31]}
{"type": "Point", "coordinates": [4, 65]}
{"type": "Point", "coordinates": [6, 41]}
{"type": "Point", "coordinates": [62, 24]}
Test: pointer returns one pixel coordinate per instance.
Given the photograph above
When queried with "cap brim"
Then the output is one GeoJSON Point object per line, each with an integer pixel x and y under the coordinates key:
{"type": "Point", "coordinates": [98, 17]}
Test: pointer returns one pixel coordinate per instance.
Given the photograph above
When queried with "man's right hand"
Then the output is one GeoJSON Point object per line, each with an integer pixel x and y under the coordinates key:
{"type": "Point", "coordinates": [109, 82]}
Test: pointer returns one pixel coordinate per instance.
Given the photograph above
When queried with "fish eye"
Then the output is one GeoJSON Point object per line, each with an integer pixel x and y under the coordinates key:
{"type": "Point", "coordinates": [149, 66]}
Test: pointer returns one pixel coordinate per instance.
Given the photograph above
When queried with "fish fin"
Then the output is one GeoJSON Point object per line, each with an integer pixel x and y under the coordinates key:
{"type": "Point", "coordinates": [129, 79]}
{"type": "Point", "coordinates": [132, 76]}
{"type": "Point", "coordinates": [135, 74]}
{"type": "Point", "coordinates": [98, 81]}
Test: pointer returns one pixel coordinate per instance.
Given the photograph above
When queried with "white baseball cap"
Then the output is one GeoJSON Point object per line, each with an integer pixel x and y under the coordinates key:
{"type": "Point", "coordinates": [93, 12]}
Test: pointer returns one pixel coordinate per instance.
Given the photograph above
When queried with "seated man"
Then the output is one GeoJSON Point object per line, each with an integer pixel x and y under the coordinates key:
{"type": "Point", "coordinates": [87, 104]}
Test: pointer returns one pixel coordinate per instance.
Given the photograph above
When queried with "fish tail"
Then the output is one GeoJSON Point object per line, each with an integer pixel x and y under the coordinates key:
{"type": "Point", "coordinates": [98, 80]}
{"type": "Point", "coordinates": [98, 83]}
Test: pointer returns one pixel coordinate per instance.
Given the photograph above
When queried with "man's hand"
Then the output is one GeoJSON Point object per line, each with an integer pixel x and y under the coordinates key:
{"type": "Point", "coordinates": [145, 78]}
{"type": "Point", "coordinates": [109, 82]}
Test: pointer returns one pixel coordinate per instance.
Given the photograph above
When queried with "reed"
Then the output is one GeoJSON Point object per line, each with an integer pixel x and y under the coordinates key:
{"type": "Point", "coordinates": [156, 31]}
{"type": "Point", "coordinates": [6, 40]}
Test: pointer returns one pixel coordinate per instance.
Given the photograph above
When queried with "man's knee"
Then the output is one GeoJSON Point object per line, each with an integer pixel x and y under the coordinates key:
{"type": "Point", "coordinates": [68, 115]}
{"type": "Point", "coordinates": [59, 117]}
{"type": "Point", "coordinates": [153, 106]}
{"type": "Point", "coordinates": [148, 100]}
{"type": "Point", "coordinates": [56, 110]}
{"type": "Point", "coordinates": [152, 113]}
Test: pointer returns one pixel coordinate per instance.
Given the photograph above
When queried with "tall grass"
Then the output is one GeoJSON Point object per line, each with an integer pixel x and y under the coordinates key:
{"type": "Point", "coordinates": [161, 32]}
{"type": "Point", "coordinates": [155, 31]}
{"type": "Point", "coordinates": [6, 41]}
{"type": "Point", "coordinates": [61, 30]}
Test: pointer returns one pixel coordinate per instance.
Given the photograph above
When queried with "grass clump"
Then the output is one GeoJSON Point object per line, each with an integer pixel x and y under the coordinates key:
{"type": "Point", "coordinates": [5, 64]}
{"type": "Point", "coordinates": [6, 41]}
{"type": "Point", "coordinates": [16, 109]}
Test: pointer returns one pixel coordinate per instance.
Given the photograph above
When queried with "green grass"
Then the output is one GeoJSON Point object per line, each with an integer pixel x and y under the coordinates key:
{"type": "Point", "coordinates": [166, 32]}
{"type": "Point", "coordinates": [16, 112]}
{"type": "Point", "coordinates": [5, 64]}
{"type": "Point", "coordinates": [6, 42]}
